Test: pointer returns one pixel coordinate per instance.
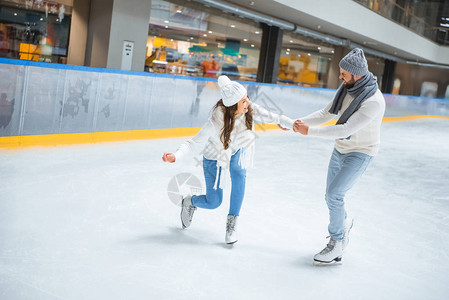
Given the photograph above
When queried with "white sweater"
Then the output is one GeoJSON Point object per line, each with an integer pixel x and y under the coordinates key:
{"type": "Point", "coordinates": [363, 126]}
{"type": "Point", "coordinates": [207, 141]}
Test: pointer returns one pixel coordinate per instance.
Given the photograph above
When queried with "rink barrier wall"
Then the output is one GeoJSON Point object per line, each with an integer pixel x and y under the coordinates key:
{"type": "Point", "coordinates": [52, 104]}
{"type": "Point", "coordinates": [16, 142]}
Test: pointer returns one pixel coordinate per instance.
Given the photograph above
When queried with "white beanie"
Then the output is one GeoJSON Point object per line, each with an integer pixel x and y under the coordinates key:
{"type": "Point", "coordinates": [231, 91]}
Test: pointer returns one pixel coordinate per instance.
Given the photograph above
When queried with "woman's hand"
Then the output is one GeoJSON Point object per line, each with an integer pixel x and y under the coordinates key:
{"type": "Point", "coordinates": [169, 157]}
{"type": "Point", "coordinates": [282, 128]}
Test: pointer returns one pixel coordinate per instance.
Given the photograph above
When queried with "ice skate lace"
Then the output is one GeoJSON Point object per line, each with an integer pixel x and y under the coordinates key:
{"type": "Point", "coordinates": [230, 227]}
{"type": "Point", "coordinates": [190, 210]}
{"type": "Point", "coordinates": [329, 247]}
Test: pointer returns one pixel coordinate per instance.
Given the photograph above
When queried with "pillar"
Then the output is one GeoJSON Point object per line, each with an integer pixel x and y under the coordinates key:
{"type": "Point", "coordinates": [270, 53]}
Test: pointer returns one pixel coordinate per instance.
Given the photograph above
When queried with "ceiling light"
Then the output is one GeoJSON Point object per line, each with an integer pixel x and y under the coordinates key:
{"type": "Point", "coordinates": [210, 32]}
{"type": "Point", "coordinates": [15, 14]}
{"type": "Point", "coordinates": [309, 54]}
{"type": "Point", "coordinates": [245, 40]}
{"type": "Point", "coordinates": [319, 48]}
{"type": "Point", "coordinates": [257, 32]}
{"type": "Point", "coordinates": [166, 26]}
{"type": "Point", "coordinates": [291, 41]}
{"type": "Point", "coordinates": [232, 25]}
{"type": "Point", "coordinates": [288, 49]}
{"type": "Point", "coordinates": [166, 21]}
{"type": "Point", "coordinates": [287, 53]}
{"type": "Point", "coordinates": [179, 11]}
{"type": "Point", "coordinates": [191, 37]}
{"type": "Point", "coordinates": [204, 35]}
{"type": "Point", "coordinates": [252, 45]}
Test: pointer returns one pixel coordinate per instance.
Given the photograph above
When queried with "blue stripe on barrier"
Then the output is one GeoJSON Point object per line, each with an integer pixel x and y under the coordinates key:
{"type": "Point", "coordinates": [286, 86]}
{"type": "Point", "coordinates": [11, 61]}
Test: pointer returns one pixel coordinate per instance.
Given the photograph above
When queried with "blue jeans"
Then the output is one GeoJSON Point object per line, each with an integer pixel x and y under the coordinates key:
{"type": "Point", "coordinates": [214, 197]}
{"type": "Point", "coordinates": [343, 172]}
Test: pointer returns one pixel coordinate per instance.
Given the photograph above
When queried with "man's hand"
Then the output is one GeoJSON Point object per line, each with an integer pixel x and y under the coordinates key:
{"type": "Point", "coordinates": [282, 128]}
{"type": "Point", "coordinates": [169, 157]}
{"type": "Point", "coordinates": [301, 127]}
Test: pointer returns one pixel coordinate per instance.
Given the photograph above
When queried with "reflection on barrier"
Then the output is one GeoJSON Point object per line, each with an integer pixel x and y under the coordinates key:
{"type": "Point", "coordinates": [43, 99]}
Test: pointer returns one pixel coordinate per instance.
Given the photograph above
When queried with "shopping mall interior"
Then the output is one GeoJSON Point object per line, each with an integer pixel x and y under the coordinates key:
{"type": "Point", "coordinates": [255, 41]}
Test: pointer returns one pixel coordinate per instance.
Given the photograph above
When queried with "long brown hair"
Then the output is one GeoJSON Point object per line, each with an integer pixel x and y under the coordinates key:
{"type": "Point", "coordinates": [229, 121]}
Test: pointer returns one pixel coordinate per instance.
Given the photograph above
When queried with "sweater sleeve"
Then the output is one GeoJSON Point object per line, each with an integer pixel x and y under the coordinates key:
{"type": "Point", "coordinates": [198, 142]}
{"type": "Point", "coordinates": [265, 116]}
{"type": "Point", "coordinates": [319, 117]}
{"type": "Point", "coordinates": [358, 120]}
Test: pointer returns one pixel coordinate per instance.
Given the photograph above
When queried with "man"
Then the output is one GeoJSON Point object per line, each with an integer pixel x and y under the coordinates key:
{"type": "Point", "coordinates": [360, 107]}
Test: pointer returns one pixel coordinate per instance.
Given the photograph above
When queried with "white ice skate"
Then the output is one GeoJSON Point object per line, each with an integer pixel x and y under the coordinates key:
{"type": "Point", "coordinates": [231, 233]}
{"type": "Point", "coordinates": [349, 222]}
{"type": "Point", "coordinates": [187, 211]}
{"type": "Point", "coordinates": [329, 255]}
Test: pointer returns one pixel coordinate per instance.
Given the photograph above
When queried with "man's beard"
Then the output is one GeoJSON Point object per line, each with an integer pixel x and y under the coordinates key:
{"type": "Point", "coordinates": [350, 83]}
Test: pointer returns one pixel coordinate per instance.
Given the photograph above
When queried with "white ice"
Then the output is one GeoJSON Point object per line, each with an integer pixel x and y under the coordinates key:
{"type": "Point", "coordinates": [95, 222]}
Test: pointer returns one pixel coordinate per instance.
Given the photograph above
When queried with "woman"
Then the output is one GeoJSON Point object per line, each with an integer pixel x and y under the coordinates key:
{"type": "Point", "coordinates": [227, 143]}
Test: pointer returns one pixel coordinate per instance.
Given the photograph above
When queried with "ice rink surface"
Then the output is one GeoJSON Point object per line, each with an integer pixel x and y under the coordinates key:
{"type": "Point", "coordinates": [95, 222]}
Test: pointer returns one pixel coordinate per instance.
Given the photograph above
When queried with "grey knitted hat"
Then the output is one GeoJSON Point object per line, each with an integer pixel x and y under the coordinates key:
{"type": "Point", "coordinates": [355, 62]}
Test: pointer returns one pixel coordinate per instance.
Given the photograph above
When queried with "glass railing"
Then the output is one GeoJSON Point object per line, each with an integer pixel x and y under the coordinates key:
{"type": "Point", "coordinates": [407, 15]}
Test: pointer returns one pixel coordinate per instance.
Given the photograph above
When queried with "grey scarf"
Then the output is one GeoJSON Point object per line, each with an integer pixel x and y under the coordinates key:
{"type": "Point", "coordinates": [362, 90]}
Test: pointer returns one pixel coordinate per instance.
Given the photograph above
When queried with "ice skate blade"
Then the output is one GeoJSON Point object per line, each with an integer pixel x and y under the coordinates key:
{"type": "Point", "coordinates": [334, 262]}
{"type": "Point", "coordinates": [183, 226]}
{"type": "Point", "coordinates": [182, 223]}
{"type": "Point", "coordinates": [232, 243]}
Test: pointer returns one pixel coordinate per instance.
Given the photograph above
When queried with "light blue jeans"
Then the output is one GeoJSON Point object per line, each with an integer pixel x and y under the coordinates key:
{"type": "Point", "coordinates": [343, 172]}
{"type": "Point", "coordinates": [214, 197]}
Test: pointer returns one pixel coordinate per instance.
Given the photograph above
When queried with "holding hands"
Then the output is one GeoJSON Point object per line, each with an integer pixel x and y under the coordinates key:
{"type": "Point", "coordinates": [301, 127]}
{"type": "Point", "coordinates": [169, 157]}
{"type": "Point", "coordinates": [298, 126]}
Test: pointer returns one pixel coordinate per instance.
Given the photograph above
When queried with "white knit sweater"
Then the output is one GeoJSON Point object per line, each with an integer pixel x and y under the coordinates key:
{"type": "Point", "coordinates": [363, 126]}
{"type": "Point", "coordinates": [207, 141]}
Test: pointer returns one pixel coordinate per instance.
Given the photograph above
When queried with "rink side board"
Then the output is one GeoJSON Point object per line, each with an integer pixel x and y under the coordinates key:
{"type": "Point", "coordinates": [16, 142]}
{"type": "Point", "coordinates": [46, 104]}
